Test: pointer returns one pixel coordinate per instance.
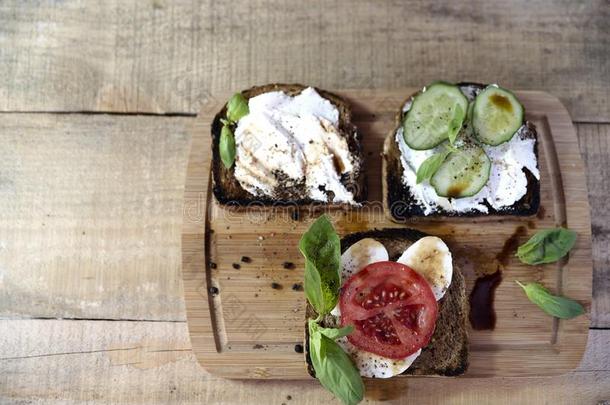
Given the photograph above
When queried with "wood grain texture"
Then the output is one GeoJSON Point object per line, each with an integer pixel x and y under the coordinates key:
{"type": "Point", "coordinates": [91, 214]}
{"type": "Point", "coordinates": [50, 377]}
{"type": "Point", "coordinates": [35, 250]}
{"type": "Point", "coordinates": [169, 56]}
{"type": "Point", "coordinates": [248, 329]}
{"type": "Point", "coordinates": [594, 143]}
{"type": "Point", "coordinates": [100, 362]}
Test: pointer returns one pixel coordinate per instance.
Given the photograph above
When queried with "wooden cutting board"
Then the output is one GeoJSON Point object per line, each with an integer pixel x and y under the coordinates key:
{"type": "Point", "coordinates": [239, 268]}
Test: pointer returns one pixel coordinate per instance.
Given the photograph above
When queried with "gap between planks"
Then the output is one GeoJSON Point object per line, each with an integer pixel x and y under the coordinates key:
{"type": "Point", "coordinates": [91, 112]}
{"type": "Point", "coordinates": [50, 318]}
{"type": "Point", "coordinates": [184, 114]}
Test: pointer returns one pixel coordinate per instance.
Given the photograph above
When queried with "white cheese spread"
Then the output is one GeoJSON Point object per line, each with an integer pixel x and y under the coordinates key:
{"type": "Point", "coordinates": [507, 182]}
{"type": "Point", "coordinates": [293, 142]}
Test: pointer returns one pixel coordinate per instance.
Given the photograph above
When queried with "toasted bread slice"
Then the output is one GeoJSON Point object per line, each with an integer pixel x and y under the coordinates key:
{"type": "Point", "coordinates": [447, 352]}
{"type": "Point", "coordinates": [228, 190]}
{"type": "Point", "coordinates": [400, 203]}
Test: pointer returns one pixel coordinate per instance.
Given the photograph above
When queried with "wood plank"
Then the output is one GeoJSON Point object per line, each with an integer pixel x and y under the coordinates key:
{"type": "Point", "coordinates": [169, 56]}
{"type": "Point", "coordinates": [111, 283]}
{"type": "Point", "coordinates": [91, 215]}
{"type": "Point", "coordinates": [228, 326]}
{"type": "Point", "coordinates": [55, 361]}
{"type": "Point", "coordinates": [595, 148]}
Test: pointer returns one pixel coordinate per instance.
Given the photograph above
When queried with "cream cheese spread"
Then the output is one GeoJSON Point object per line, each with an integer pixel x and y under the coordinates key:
{"type": "Point", "coordinates": [293, 142]}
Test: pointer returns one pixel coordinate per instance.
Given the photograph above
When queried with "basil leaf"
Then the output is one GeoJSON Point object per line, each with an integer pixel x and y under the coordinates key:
{"type": "Point", "coordinates": [227, 146]}
{"type": "Point", "coordinates": [431, 165]}
{"type": "Point", "coordinates": [334, 369]}
{"type": "Point", "coordinates": [547, 246]}
{"type": "Point", "coordinates": [321, 248]}
{"type": "Point", "coordinates": [237, 107]}
{"type": "Point", "coordinates": [456, 123]}
{"type": "Point", "coordinates": [553, 305]}
{"type": "Point", "coordinates": [334, 333]}
{"type": "Point", "coordinates": [312, 285]}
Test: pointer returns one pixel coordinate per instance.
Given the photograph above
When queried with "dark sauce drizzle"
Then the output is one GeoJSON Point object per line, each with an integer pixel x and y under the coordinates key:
{"type": "Point", "coordinates": [482, 314]}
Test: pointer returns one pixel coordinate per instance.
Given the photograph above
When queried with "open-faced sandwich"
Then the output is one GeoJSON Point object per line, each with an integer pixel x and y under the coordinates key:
{"type": "Point", "coordinates": [286, 144]}
{"type": "Point", "coordinates": [391, 303]}
{"type": "Point", "coordinates": [461, 150]}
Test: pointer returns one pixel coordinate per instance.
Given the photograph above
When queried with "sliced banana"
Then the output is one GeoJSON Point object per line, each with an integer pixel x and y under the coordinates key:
{"type": "Point", "coordinates": [374, 366]}
{"type": "Point", "coordinates": [431, 258]}
{"type": "Point", "coordinates": [360, 255]}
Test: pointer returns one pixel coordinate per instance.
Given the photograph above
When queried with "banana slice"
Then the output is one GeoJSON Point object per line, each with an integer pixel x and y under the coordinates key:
{"type": "Point", "coordinates": [374, 366]}
{"type": "Point", "coordinates": [431, 258]}
{"type": "Point", "coordinates": [360, 255]}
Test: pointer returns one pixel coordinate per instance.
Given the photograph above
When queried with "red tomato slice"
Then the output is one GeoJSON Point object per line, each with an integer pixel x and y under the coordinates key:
{"type": "Point", "coordinates": [392, 308]}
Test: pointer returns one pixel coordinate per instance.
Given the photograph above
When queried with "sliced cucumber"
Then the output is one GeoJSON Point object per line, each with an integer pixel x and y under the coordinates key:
{"type": "Point", "coordinates": [497, 115]}
{"type": "Point", "coordinates": [463, 173]}
{"type": "Point", "coordinates": [436, 115]}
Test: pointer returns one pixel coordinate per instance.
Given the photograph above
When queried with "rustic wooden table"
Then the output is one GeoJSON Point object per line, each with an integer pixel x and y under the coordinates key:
{"type": "Point", "coordinates": [95, 104]}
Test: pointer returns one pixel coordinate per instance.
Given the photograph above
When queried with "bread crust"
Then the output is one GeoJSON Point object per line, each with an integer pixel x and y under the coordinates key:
{"type": "Point", "coordinates": [226, 187]}
{"type": "Point", "coordinates": [447, 352]}
{"type": "Point", "coordinates": [400, 204]}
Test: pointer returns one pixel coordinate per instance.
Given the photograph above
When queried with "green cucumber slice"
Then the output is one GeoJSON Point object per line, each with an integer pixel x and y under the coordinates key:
{"type": "Point", "coordinates": [436, 115]}
{"type": "Point", "coordinates": [463, 173]}
{"type": "Point", "coordinates": [497, 115]}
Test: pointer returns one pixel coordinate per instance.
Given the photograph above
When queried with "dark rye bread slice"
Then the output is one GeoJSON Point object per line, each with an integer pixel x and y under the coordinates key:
{"type": "Point", "coordinates": [447, 352]}
{"type": "Point", "coordinates": [400, 203]}
{"type": "Point", "coordinates": [227, 189]}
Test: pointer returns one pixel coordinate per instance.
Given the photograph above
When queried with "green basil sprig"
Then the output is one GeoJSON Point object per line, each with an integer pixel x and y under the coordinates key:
{"type": "Point", "coordinates": [334, 369]}
{"type": "Point", "coordinates": [547, 246]}
{"type": "Point", "coordinates": [456, 123]}
{"type": "Point", "coordinates": [237, 107]}
{"type": "Point", "coordinates": [227, 146]}
{"type": "Point", "coordinates": [560, 307]}
{"type": "Point", "coordinates": [335, 333]}
{"type": "Point", "coordinates": [429, 166]}
{"type": "Point", "coordinates": [321, 248]}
